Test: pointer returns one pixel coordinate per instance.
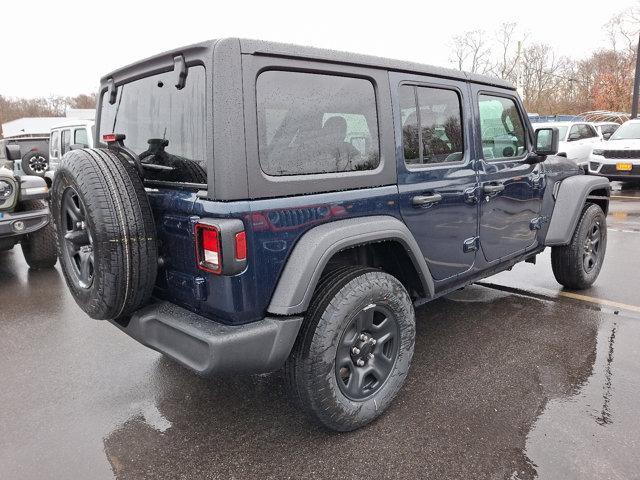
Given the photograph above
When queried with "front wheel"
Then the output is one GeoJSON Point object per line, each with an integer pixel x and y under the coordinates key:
{"type": "Point", "coordinates": [577, 265]}
{"type": "Point", "coordinates": [39, 248]}
{"type": "Point", "coordinates": [354, 349]}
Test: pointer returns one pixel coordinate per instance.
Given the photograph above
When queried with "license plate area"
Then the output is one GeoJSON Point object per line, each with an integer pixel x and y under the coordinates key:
{"type": "Point", "coordinates": [624, 167]}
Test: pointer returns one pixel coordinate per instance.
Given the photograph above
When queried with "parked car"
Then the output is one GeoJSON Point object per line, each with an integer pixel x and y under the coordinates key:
{"type": "Point", "coordinates": [33, 158]}
{"type": "Point", "coordinates": [606, 129]}
{"type": "Point", "coordinates": [619, 157]}
{"type": "Point", "coordinates": [68, 135]}
{"type": "Point", "coordinates": [24, 214]}
{"type": "Point", "coordinates": [252, 205]}
{"type": "Point", "coordinates": [576, 140]}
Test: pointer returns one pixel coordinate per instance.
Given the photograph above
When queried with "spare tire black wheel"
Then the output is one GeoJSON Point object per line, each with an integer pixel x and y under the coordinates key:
{"type": "Point", "coordinates": [106, 233]}
{"type": "Point", "coordinates": [35, 163]}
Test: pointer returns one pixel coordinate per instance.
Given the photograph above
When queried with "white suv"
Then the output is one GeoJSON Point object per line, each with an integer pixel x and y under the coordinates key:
{"type": "Point", "coordinates": [71, 134]}
{"type": "Point", "coordinates": [619, 157]}
{"type": "Point", "coordinates": [576, 139]}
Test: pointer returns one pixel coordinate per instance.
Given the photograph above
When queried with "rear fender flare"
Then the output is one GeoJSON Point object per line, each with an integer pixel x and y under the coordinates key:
{"type": "Point", "coordinates": [313, 251]}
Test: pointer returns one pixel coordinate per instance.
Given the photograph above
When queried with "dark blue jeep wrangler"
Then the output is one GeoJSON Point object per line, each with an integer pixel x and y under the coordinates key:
{"type": "Point", "coordinates": [253, 206]}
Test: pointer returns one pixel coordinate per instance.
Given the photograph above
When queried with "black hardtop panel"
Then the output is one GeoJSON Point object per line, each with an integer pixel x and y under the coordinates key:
{"type": "Point", "coordinates": [164, 61]}
{"type": "Point", "coordinates": [260, 47]}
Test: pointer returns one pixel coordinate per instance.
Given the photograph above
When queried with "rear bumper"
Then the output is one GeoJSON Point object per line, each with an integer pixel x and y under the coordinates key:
{"type": "Point", "coordinates": [30, 222]}
{"type": "Point", "coordinates": [210, 348]}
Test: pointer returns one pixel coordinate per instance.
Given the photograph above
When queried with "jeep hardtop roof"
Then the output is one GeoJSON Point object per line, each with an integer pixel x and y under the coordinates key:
{"type": "Point", "coordinates": [261, 47]}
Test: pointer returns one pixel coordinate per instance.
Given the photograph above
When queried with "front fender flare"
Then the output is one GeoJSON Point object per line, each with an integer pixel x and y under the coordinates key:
{"type": "Point", "coordinates": [313, 251]}
{"type": "Point", "coordinates": [570, 199]}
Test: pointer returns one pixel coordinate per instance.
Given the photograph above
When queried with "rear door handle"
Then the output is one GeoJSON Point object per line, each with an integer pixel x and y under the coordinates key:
{"type": "Point", "coordinates": [493, 188]}
{"type": "Point", "coordinates": [421, 200]}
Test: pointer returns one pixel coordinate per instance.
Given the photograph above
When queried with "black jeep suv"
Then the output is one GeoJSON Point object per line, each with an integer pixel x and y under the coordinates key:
{"type": "Point", "coordinates": [253, 206]}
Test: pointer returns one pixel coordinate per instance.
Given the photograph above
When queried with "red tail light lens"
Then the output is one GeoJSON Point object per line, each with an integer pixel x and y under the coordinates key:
{"type": "Point", "coordinates": [241, 246]}
{"type": "Point", "coordinates": [208, 249]}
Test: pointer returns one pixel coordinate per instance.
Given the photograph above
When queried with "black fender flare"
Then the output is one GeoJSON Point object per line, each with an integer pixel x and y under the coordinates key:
{"type": "Point", "coordinates": [570, 198]}
{"type": "Point", "coordinates": [313, 251]}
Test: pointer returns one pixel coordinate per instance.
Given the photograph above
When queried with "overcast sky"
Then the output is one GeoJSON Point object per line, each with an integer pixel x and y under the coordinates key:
{"type": "Point", "coordinates": [63, 47]}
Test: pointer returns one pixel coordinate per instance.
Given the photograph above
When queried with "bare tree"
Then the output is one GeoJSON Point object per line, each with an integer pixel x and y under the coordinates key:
{"type": "Point", "coordinates": [510, 52]}
{"type": "Point", "coordinates": [623, 28]}
{"type": "Point", "coordinates": [471, 52]}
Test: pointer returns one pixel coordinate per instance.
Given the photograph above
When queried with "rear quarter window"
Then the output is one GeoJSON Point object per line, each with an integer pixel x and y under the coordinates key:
{"type": "Point", "coordinates": [315, 123]}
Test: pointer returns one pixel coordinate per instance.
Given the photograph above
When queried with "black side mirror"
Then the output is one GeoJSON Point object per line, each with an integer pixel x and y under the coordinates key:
{"type": "Point", "coordinates": [13, 152]}
{"type": "Point", "coordinates": [546, 141]}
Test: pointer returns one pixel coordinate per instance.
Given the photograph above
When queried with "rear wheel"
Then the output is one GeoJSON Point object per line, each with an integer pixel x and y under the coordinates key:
{"type": "Point", "coordinates": [577, 265]}
{"type": "Point", "coordinates": [354, 349]}
{"type": "Point", "coordinates": [106, 233]}
{"type": "Point", "coordinates": [39, 248]}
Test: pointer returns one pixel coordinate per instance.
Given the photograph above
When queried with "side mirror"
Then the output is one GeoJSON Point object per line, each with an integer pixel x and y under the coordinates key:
{"type": "Point", "coordinates": [13, 152]}
{"type": "Point", "coordinates": [546, 141]}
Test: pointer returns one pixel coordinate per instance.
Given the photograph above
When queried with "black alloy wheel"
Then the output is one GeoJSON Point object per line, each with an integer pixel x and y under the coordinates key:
{"type": "Point", "coordinates": [367, 352]}
{"type": "Point", "coordinates": [591, 254]}
{"type": "Point", "coordinates": [77, 240]}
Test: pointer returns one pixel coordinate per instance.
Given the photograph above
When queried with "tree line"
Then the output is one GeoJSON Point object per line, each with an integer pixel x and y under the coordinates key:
{"type": "Point", "coordinates": [53, 106]}
{"type": "Point", "coordinates": [554, 84]}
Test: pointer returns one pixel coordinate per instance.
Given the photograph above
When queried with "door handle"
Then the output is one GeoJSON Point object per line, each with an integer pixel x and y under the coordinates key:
{"type": "Point", "coordinates": [421, 200]}
{"type": "Point", "coordinates": [493, 188]}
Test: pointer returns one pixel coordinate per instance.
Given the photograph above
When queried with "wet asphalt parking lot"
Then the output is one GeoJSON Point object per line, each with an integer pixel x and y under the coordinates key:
{"type": "Point", "coordinates": [514, 378]}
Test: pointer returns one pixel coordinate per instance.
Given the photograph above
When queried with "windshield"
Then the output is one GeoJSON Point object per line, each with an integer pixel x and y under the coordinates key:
{"type": "Point", "coordinates": [163, 125]}
{"type": "Point", "coordinates": [627, 131]}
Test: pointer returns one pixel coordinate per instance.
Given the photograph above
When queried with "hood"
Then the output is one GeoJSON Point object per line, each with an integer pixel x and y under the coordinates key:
{"type": "Point", "coordinates": [633, 144]}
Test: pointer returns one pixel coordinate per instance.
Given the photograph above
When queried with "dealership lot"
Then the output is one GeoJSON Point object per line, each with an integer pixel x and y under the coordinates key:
{"type": "Point", "coordinates": [511, 379]}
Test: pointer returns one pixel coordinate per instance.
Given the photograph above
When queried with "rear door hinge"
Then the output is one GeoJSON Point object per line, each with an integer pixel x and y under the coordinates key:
{"type": "Point", "coordinates": [471, 244]}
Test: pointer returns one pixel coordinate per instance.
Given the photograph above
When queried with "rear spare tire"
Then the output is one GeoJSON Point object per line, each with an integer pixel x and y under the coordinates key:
{"type": "Point", "coordinates": [106, 233]}
{"type": "Point", "coordinates": [35, 163]}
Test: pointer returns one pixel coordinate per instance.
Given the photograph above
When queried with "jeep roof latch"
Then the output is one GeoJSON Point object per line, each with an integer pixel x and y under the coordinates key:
{"type": "Point", "coordinates": [180, 70]}
{"type": "Point", "coordinates": [112, 90]}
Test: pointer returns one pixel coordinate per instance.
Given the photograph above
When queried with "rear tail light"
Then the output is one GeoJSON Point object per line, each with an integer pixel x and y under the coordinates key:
{"type": "Point", "coordinates": [221, 246]}
{"type": "Point", "coordinates": [208, 248]}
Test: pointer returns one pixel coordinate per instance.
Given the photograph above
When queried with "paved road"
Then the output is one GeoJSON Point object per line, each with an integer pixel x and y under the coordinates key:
{"type": "Point", "coordinates": [503, 385]}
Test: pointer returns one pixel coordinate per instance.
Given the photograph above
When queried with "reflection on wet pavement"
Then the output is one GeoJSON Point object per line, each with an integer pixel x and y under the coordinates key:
{"type": "Point", "coordinates": [502, 386]}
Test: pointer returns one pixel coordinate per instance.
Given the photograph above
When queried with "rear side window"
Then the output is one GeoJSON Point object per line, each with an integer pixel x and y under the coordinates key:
{"type": "Point", "coordinates": [55, 144]}
{"type": "Point", "coordinates": [163, 125]}
{"type": "Point", "coordinates": [80, 136]}
{"type": "Point", "coordinates": [502, 131]}
{"type": "Point", "coordinates": [431, 125]}
{"type": "Point", "coordinates": [65, 136]}
{"type": "Point", "coordinates": [314, 123]}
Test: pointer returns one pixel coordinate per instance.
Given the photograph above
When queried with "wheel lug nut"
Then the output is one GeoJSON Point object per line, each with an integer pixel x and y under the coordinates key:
{"type": "Point", "coordinates": [360, 363]}
{"type": "Point", "coordinates": [363, 337]}
{"type": "Point", "coordinates": [355, 350]}
{"type": "Point", "coordinates": [373, 341]}
{"type": "Point", "coordinates": [371, 356]}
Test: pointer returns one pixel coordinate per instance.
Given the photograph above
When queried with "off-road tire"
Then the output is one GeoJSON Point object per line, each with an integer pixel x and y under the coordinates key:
{"type": "Point", "coordinates": [27, 168]}
{"type": "Point", "coordinates": [311, 367]}
{"type": "Point", "coordinates": [39, 248]}
{"type": "Point", "coordinates": [120, 224]}
{"type": "Point", "coordinates": [567, 261]}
